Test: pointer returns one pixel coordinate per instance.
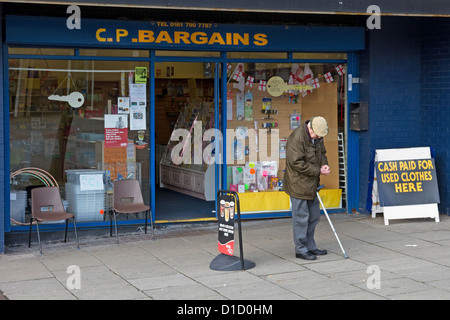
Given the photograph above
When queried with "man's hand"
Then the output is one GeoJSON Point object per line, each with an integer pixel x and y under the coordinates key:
{"type": "Point", "coordinates": [325, 170]}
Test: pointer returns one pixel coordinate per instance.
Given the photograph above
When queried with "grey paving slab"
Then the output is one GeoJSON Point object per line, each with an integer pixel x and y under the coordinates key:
{"type": "Point", "coordinates": [60, 260]}
{"type": "Point", "coordinates": [184, 292]}
{"type": "Point", "coordinates": [252, 291]}
{"type": "Point", "coordinates": [37, 289]}
{"type": "Point", "coordinates": [397, 287]}
{"type": "Point", "coordinates": [22, 267]}
{"type": "Point", "coordinates": [160, 282]}
{"type": "Point", "coordinates": [430, 294]}
{"type": "Point", "coordinates": [100, 283]}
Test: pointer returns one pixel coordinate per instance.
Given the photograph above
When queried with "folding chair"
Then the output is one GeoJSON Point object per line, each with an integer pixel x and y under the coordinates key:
{"type": "Point", "coordinates": [46, 206]}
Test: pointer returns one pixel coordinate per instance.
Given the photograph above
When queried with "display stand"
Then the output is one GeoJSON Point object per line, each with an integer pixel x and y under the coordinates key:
{"type": "Point", "coordinates": [226, 261]}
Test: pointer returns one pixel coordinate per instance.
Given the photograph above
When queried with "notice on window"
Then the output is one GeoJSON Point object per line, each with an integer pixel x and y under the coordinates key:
{"type": "Point", "coordinates": [89, 182]}
{"type": "Point", "coordinates": [123, 103]}
{"type": "Point", "coordinates": [138, 92]}
{"type": "Point", "coordinates": [140, 75]}
{"type": "Point", "coordinates": [138, 118]}
{"type": "Point", "coordinates": [138, 104]}
{"type": "Point", "coordinates": [116, 130]}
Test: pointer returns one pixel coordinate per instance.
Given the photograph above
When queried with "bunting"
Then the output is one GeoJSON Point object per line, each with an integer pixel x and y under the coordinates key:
{"type": "Point", "coordinates": [340, 70]}
{"type": "Point", "coordinates": [238, 75]}
{"type": "Point", "coordinates": [315, 83]}
{"type": "Point", "coordinates": [296, 76]}
{"type": "Point", "coordinates": [262, 85]}
{"type": "Point", "coordinates": [328, 77]}
{"type": "Point", "coordinates": [250, 81]}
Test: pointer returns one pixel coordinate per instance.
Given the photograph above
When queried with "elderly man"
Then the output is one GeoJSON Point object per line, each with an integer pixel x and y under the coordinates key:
{"type": "Point", "coordinates": [305, 161]}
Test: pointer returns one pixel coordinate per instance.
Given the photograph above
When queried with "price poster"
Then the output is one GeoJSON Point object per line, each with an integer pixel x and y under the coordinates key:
{"type": "Point", "coordinates": [226, 224]}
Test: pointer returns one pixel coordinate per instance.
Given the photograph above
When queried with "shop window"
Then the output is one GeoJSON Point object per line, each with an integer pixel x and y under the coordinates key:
{"type": "Point", "coordinates": [168, 53]}
{"type": "Point", "coordinates": [114, 53]}
{"type": "Point", "coordinates": [320, 55]}
{"type": "Point", "coordinates": [42, 51]}
{"type": "Point", "coordinates": [263, 120]}
{"type": "Point", "coordinates": [64, 118]}
{"type": "Point", "coordinates": [183, 70]}
{"type": "Point", "coordinates": [257, 55]}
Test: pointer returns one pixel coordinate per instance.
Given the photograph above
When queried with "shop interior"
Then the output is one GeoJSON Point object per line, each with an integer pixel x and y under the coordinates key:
{"type": "Point", "coordinates": [84, 149]}
{"type": "Point", "coordinates": [184, 98]}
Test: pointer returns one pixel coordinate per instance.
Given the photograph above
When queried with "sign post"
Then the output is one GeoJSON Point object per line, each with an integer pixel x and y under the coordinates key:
{"type": "Point", "coordinates": [228, 211]}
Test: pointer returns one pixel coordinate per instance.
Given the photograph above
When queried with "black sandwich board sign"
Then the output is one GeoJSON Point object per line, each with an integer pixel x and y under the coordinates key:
{"type": "Point", "coordinates": [228, 210]}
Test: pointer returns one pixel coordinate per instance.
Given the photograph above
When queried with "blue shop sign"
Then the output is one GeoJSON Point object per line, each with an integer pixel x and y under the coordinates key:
{"type": "Point", "coordinates": [47, 31]}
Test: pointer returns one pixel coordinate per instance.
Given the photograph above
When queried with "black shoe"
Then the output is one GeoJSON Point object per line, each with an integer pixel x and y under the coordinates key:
{"type": "Point", "coordinates": [306, 256]}
{"type": "Point", "coordinates": [318, 252]}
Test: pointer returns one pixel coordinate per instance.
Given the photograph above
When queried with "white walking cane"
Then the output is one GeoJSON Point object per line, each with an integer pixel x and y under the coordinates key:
{"type": "Point", "coordinates": [331, 225]}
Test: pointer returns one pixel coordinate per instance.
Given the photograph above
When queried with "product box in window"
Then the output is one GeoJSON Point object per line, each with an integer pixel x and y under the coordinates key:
{"type": "Point", "coordinates": [261, 180]}
{"type": "Point", "coordinates": [238, 175]}
{"type": "Point", "coordinates": [249, 178]}
{"type": "Point", "coordinates": [273, 183]}
{"type": "Point", "coordinates": [93, 113]}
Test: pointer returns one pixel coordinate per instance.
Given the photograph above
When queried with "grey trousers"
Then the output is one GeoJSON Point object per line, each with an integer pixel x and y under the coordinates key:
{"type": "Point", "coordinates": [305, 216]}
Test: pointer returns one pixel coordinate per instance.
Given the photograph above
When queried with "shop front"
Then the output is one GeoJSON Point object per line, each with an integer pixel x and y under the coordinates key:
{"type": "Point", "coordinates": [186, 108]}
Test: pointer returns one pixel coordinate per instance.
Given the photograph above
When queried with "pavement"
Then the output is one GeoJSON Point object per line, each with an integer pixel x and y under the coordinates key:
{"type": "Point", "coordinates": [406, 260]}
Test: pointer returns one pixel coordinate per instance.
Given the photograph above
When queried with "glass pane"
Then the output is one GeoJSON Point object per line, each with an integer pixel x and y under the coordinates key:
{"type": "Point", "coordinates": [63, 117]}
{"type": "Point", "coordinates": [184, 70]}
{"type": "Point", "coordinates": [321, 55]}
{"type": "Point", "coordinates": [254, 103]}
{"type": "Point", "coordinates": [187, 53]}
{"type": "Point", "coordinates": [41, 51]}
{"type": "Point", "coordinates": [257, 55]}
{"type": "Point", "coordinates": [114, 53]}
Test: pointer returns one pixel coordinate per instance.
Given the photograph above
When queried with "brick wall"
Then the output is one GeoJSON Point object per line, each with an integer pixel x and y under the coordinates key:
{"type": "Point", "coordinates": [405, 75]}
{"type": "Point", "coordinates": [435, 100]}
{"type": "Point", "coordinates": [390, 77]}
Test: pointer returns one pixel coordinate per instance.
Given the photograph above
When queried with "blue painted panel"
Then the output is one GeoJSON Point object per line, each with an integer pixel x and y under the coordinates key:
{"type": "Point", "coordinates": [181, 35]}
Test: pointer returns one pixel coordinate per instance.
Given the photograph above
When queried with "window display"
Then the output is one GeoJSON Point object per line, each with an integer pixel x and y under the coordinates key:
{"type": "Point", "coordinates": [279, 98]}
{"type": "Point", "coordinates": [71, 119]}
